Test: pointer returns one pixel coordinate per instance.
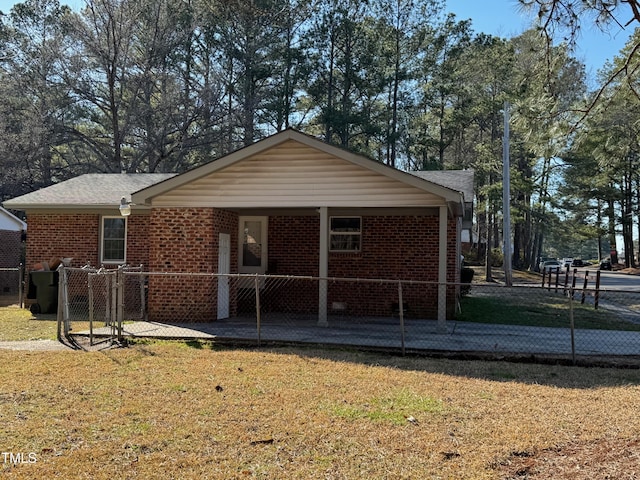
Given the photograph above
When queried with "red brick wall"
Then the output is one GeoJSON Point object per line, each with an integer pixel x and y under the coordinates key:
{"type": "Point", "coordinates": [61, 236]}
{"type": "Point", "coordinates": [185, 240]}
{"type": "Point", "coordinates": [293, 245]}
{"type": "Point", "coordinates": [78, 236]}
{"type": "Point", "coordinates": [396, 247]}
{"type": "Point", "coordinates": [138, 240]}
{"type": "Point", "coordinates": [393, 247]}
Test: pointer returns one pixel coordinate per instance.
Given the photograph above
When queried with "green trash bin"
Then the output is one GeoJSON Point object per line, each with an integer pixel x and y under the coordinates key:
{"type": "Point", "coordinates": [45, 284]}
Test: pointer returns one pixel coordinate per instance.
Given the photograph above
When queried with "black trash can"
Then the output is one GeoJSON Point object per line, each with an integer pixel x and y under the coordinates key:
{"type": "Point", "coordinates": [466, 277]}
{"type": "Point", "coordinates": [43, 286]}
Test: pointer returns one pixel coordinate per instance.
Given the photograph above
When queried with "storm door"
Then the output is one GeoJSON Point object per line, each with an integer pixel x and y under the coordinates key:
{"type": "Point", "coordinates": [252, 254]}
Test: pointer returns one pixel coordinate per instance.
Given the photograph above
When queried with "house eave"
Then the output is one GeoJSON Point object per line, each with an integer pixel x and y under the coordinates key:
{"type": "Point", "coordinates": [103, 209]}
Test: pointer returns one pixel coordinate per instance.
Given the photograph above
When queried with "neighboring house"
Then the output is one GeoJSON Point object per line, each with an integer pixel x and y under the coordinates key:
{"type": "Point", "coordinates": [287, 205]}
{"type": "Point", "coordinates": [12, 231]}
{"type": "Point", "coordinates": [461, 181]}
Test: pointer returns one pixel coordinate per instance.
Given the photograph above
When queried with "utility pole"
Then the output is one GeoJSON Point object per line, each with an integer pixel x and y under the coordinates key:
{"type": "Point", "coordinates": [506, 199]}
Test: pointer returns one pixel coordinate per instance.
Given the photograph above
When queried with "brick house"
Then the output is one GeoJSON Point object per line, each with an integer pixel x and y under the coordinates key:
{"type": "Point", "coordinates": [287, 205]}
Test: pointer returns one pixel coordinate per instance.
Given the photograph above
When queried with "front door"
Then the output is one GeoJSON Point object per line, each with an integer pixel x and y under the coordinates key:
{"type": "Point", "coordinates": [224, 267]}
{"type": "Point", "coordinates": [252, 253]}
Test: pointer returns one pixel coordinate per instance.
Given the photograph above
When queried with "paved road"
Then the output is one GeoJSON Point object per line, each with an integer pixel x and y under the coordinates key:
{"type": "Point", "coordinates": [610, 280]}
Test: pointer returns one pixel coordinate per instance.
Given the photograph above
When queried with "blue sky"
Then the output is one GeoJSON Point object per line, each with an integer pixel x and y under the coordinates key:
{"type": "Point", "coordinates": [503, 18]}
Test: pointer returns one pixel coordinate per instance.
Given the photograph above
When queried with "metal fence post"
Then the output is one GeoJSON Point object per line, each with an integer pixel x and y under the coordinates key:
{"type": "Point", "coordinates": [120, 293]}
{"type": "Point", "coordinates": [596, 299]}
{"type": "Point", "coordinates": [401, 315]}
{"type": "Point", "coordinates": [59, 313]}
{"type": "Point", "coordinates": [21, 285]}
{"type": "Point", "coordinates": [107, 296]}
{"type": "Point", "coordinates": [63, 299]}
{"type": "Point", "coordinates": [90, 301]}
{"type": "Point", "coordinates": [573, 329]}
{"type": "Point", "coordinates": [257, 288]}
{"type": "Point", "coordinates": [114, 305]}
{"type": "Point", "coordinates": [142, 302]}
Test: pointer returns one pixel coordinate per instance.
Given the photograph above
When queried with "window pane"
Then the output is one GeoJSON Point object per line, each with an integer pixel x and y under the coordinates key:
{"type": "Point", "coordinates": [113, 242]}
{"type": "Point", "coordinates": [114, 228]}
{"type": "Point", "coordinates": [345, 234]}
{"type": "Point", "coordinates": [345, 242]}
{"type": "Point", "coordinates": [252, 244]}
{"type": "Point", "coordinates": [342, 224]}
{"type": "Point", "coordinates": [114, 250]}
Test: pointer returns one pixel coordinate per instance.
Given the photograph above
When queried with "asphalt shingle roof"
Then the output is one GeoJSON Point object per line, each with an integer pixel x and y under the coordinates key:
{"type": "Point", "coordinates": [458, 180]}
{"type": "Point", "coordinates": [106, 189]}
{"type": "Point", "coordinates": [92, 189]}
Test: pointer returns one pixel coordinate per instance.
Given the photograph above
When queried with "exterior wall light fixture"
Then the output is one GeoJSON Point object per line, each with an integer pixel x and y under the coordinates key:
{"type": "Point", "coordinates": [125, 207]}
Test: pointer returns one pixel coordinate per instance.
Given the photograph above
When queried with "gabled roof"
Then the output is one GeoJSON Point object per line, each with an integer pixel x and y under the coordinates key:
{"type": "Point", "coordinates": [458, 180]}
{"type": "Point", "coordinates": [86, 191]}
{"type": "Point", "coordinates": [8, 221]}
{"type": "Point", "coordinates": [105, 190]}
{"type": "Point", "coordinates": [146, 195]}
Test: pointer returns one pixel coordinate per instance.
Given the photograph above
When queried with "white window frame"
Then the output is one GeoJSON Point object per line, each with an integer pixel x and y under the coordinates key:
{"type": "Point", "coordinates": [102, 240]}
{"type": "Point", "coordinates": [333, 234]}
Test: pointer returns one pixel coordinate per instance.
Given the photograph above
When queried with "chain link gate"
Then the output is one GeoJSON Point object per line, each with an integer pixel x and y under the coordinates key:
{"type": "Point", "coordinates": [91, 304]}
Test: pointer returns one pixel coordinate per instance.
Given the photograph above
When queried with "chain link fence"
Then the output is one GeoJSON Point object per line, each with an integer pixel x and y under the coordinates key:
{"type": "Point", "coordinates": [11, 268]}
{"type": "Point", "coordinates": [11, 286]}
{"type": "Point", "coordinates": [555, 321]}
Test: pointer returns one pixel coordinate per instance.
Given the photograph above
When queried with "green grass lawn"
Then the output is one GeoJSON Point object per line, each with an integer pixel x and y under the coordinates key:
{"type": "Point", "coordinates": [536, 307]}
{"type": "Point", "coordinates": [20, 324]}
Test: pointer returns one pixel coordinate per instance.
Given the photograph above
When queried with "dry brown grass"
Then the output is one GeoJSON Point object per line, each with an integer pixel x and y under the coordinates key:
{"type": "Point", "coordinates": [167, 410]}
{"type": "Point", "coordinates": [19, 324]}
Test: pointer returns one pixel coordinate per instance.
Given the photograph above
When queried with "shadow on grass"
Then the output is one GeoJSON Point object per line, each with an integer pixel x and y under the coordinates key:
{"type": "Point", "coordinates": [525, 370]}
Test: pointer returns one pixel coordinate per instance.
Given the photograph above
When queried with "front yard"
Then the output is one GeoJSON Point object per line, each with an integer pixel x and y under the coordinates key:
{"type": "Point", "coordinates": [191, 411]}
{"type": "Point", "coordinates": [20, 324]}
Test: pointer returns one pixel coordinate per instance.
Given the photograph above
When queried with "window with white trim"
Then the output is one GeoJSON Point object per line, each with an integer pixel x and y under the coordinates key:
{"type": "Point", "coordinates": [345, 234]}
{"type": "Point", "coordinates": [114, 240]}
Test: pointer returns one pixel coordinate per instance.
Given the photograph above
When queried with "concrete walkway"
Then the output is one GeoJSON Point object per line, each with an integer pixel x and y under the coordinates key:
{"type": "Point", "coordinates": [419, 335]}
{"type": "Point", "coordinates": [35, 345]}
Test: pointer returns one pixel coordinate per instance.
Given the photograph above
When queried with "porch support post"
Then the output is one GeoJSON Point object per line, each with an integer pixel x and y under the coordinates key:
{"type": "Point", "coordinates": [323, 267]}
{"type": "Point", "coordinates": [442, 270]}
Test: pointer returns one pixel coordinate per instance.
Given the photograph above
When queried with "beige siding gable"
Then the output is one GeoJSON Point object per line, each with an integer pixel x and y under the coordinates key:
{"type": "Point", "coordinates": [295, 175]}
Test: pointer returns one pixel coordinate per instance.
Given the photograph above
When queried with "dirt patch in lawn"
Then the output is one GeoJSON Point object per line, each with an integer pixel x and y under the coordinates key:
{"type": "Point", "coordinates": [603, 458]}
